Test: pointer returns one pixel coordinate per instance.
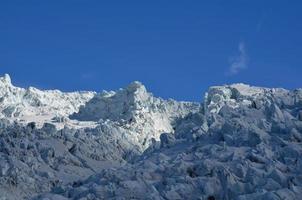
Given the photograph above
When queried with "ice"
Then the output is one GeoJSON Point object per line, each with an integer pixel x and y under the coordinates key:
{"type": "Point", "coordinates": [242, 142]}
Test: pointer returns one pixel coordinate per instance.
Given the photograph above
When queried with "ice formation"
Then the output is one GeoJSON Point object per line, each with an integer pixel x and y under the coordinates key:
{"type": "Point", "coordinates": [241, 142]}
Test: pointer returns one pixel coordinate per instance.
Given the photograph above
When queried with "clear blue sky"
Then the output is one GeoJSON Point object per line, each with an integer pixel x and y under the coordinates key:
{"type": "Point", "coordinates": [176, 48]}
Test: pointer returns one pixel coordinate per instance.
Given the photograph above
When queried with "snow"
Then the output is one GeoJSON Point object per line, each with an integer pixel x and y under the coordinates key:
{"type": "Point", "coordinates": [32, 104]}
{"type": "Point", "coordinates": [242, 142]}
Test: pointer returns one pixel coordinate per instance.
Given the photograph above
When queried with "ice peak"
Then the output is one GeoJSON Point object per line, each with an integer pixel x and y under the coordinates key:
{"type": "Point", "coordinates": [6, 79]}
{"type": "Point", "coordinates": [237, 89]}
{"type": "Point", "coordinates": [232, 95]}
{"type": "Point", "coordinates": [136, 86]}
{"type": "Point", "coordinates": [137, 91]}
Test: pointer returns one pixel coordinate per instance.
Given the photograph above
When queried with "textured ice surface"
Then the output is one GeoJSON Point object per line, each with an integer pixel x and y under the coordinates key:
{"type": "Point", "coordinates": [26, 105]}
{"type": "Point", "coordinates": [242, 142]}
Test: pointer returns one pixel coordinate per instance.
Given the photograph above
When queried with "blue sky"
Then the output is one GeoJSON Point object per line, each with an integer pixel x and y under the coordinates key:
{"type": "Point", "coordinates": [176, 48]}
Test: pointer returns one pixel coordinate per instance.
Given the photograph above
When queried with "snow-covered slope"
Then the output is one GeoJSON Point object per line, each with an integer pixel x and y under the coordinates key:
{"type": "Point", "coordinates": [245, 143]}
{"type": "Point", "coordinates": [242, 142]}
{"type": "Point", "coordinates": [137, 111]}
{"type": "Point", "coordinates": [72, 135]}
{"type": "Point", "coordinates": [35, 105]}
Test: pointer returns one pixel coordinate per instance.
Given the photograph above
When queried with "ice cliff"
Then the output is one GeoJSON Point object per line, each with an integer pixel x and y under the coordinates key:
{"type": "Point", "coordinates": [241, 142]}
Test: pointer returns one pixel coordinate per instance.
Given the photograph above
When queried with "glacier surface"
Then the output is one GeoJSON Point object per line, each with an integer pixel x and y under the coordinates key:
{"type": "Point", "coordinates": [241, 142]}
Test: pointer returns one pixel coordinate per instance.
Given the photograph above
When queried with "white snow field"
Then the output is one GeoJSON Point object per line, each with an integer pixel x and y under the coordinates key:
{"type": "Point", "coordinates": [241, 142]}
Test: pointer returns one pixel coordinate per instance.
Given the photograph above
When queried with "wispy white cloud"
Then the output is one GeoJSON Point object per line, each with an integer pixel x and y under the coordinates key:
{"type": "Point", "coordinates": [240, 61]}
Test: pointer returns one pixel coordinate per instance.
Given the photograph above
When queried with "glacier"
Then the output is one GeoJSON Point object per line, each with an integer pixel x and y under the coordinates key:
{"type": "Point", "coordinates": [241, 142]}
